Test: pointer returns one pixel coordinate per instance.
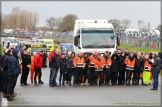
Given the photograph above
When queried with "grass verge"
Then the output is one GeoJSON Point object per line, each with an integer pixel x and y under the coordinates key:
{"type": "Point", "coordinates": [1, 49]}
{"type": "Point", "coordinates": [139, 49]}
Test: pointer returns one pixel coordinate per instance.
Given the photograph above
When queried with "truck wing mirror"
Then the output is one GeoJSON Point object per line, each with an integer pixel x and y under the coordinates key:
{"type": "Point", "coordinates": [76, 40]}
{"type": "Point", "coordinates": [112, 37]}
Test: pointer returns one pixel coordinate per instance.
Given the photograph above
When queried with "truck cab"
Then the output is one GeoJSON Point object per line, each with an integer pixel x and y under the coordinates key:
{"type": "Point", "coordinates": [91, 35]}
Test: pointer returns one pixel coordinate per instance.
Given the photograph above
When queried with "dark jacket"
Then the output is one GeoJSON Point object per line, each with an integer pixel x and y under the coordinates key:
{"type": "Point", "coordinates": [63, 64]}
{"type": "Point", "coordinates": [139, 63]}
{"type": "Point", "coordinates": [114, 64]}
{"type": "Point", "coordinates": [157, 64]}
{"type": "Point", "coordinates": [70, 61]}
{"type": "Point", "coordinates": [55, 62]}
{"type": "Point", "coordinates": [5, 63]}
{"type": "Point", "coordinates": [2, 59]}
{"type": "Point", "coordinates": [87, 63]}
{"type": "Point", "coordinates": [122, 65]}
{"type": "Point", "coordinates": [13, 64]}
{"type": "Point", "coordinates": [26, 60]}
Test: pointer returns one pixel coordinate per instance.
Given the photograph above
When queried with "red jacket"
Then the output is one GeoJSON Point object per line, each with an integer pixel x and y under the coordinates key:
{"type": "Point", "coordinates": [51, 54]}
{"type": "Point", "coordinates": [38, 60]}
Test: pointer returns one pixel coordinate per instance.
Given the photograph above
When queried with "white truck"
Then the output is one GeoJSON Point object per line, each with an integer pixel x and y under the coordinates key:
{"type": "Point", "coordinates": [91, 35]}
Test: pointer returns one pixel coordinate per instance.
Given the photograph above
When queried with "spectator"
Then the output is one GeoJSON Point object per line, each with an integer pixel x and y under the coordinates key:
{"type": "Point", "coordinates": [13, 68]}
{"type": "Point", "coordinates": [63, 68]}
{"type": "Point", "coordinates": [38, 60]}
{"type": "Point", "coordinates": [26, 61]}
{"type": "Point", "coordinates": [137, 69]}
{"type": "Point", "coordinates": [71, 68]}
{"type": "Point", "coordinates": [54, 65]}
{"type": "Point", "coordinates": [114, 69]}
{"type": "Point", "coordinates": [121, 79]}
{"type": "Point", "coordinates": [156, 70]}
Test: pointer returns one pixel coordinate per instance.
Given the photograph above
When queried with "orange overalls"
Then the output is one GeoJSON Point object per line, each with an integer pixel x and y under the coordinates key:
{"type": "Point", "coordinates": [32, 69]}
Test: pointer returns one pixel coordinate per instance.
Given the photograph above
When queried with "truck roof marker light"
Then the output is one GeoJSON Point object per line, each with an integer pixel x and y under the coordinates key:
{"type": "Point", "coordinates": [95, 21]}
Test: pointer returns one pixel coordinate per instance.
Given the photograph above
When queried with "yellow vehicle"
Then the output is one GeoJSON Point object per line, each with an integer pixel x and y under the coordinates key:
{"type": "Point", "coordinates": [49, 43]}
{"type": "Point", "coordinates": [35, 47]}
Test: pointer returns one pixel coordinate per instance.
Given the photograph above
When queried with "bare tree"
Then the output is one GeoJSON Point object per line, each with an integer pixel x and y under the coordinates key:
{"type": "Point", "coordinates": [22, 19]}
{"type": "Point", "coordinates": [15, 12]}
{"type": "Point", "coordinates": [67, 23]}
{"type": "Point", "coordinates": [35, 20]}
{"type": "Point", "coordinates": [126, 23]}
{"type": "Point", "coordinates": [116, 23]}
{"type": "Point", "coordinates": [141, 25]}
{"type": "Point", "coordinates": [51, 23]}
{"type": "Point", "coordinates": [58, 21]}
{"type": "Point", "coordinates": [149, 26]}
{"type": "Point", "coordinates": [159, 27]}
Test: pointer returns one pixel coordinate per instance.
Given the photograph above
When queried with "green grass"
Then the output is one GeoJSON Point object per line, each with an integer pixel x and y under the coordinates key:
{"type": "Point", "coordinates": [139, 49]}
{"type": "Point", "coordinates": [1, 49]}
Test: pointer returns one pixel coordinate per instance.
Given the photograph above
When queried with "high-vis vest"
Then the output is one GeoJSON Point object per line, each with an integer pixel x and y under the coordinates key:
{"type": "Point", "coordinates": [107, 62]}
{"type": "Point", "coordinates": [147, 66]}
{"type": "Point", "coordinates": [130, 64]}
{"type": "Point", "coordinates": [92, 60]}
{"type": "Point", "coordinates": [99, 64]}
{"type": "Point", "coordinates": [79, 62]}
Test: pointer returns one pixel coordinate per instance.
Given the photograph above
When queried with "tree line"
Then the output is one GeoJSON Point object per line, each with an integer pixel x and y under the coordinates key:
{"type": "Point", "coordinates": [18, 18]}
{"type": "Point", "coordinates": [26, 19]}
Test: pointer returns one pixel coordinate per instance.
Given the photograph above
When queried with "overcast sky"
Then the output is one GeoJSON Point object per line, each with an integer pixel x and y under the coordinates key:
{"type": "Point", "coordinates": [134, 11]}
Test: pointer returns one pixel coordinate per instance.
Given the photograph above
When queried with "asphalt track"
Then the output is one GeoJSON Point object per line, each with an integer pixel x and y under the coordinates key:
{"type": "Point", "coordinates": [43, 95]}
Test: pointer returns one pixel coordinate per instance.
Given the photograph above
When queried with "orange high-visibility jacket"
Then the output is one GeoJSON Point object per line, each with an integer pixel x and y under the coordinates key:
{"type": "Point", "coordinates": [79, 62]}
{"type": "Point", "coordinates": [129, 63]}
{"type": "Point", "coordinates": [147, 66]}
{"type": "Point", "coordinates": [92, 60]}
{"type": "Point", "coordinates": [99, 63]}
{"type": "Point", "coordinates": [107, 62]}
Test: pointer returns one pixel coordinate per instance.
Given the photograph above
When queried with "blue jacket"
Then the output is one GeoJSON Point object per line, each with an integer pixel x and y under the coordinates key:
{"type": "Point", "coordinates": [13, 65]}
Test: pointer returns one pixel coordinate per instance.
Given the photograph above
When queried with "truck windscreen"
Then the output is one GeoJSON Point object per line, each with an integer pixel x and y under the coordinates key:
{"type": "Point", "coordinates": [97, 39]}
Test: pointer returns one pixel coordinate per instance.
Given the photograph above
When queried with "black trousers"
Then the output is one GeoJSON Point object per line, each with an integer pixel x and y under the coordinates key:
{"type": "Point", "coordinates": [37, 72]}
{"type": "Point", "coordinates": [78, 75]}
{"type": "Point", "coordinates": [10, 85]}
{"type": "Point", "coordinates": [92, 76]}
{"type": "Point", "coordinates": [101, 73]}
{"type": "Point", "coordinates": [24, 75]}
{"type": "Point", "coordinates": [85, 74]}
{"type": "Point", "coordinates": [136, 76]}
{"type": "Point", "coordinates": [107, 74]}
{"type": "Point", "coordinates": [114, 77]}
{"type": "Point", "coordinates": [15, 81]}
{"type": "Point", "coordinates": [128, 75]}
{"type": "Point", "coordinates": [44, 62]}
{"type": "Point", "coordinates": [67, 76]}
{"type": "Point", "coordinates": [121, 78]}
{"type": "Point", "coordinates": [4, 82]}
